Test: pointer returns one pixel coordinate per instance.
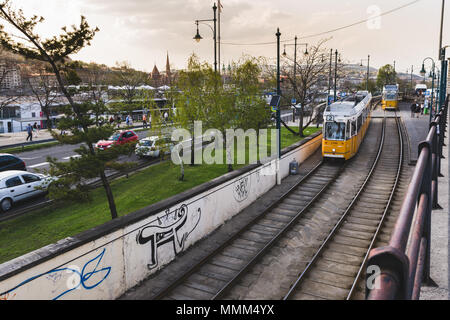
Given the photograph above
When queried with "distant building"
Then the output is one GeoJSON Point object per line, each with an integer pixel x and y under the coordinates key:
{"type": "Point", "coordinates": [165, 78]}
{"type": "Point", "coordinates": [9, 75]}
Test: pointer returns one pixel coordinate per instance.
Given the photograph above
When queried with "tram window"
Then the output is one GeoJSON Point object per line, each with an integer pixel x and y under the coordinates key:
{"type": "Point", "coordinates": [335, 131]}
{"type": "Point", "coordinates": [349, 132]}
{"type": "Point", "coordinates": [359, 122]}
{"type": "Point", "coordinates": [353, 128]}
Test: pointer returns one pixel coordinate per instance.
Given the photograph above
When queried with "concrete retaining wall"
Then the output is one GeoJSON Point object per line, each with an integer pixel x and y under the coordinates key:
{"type": "Point", "coordinates": [106, 261]}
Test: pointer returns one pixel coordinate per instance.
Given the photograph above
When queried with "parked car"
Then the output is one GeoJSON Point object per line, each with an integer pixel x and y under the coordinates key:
{"type": "Point", "coordinates": [10, 162]}
{"type": "Point", "coordinates": [17, 185]}
{"type": "Point", "coordinates": [151, 147]}
{"type": "Point", "coordinates": [118, 138]}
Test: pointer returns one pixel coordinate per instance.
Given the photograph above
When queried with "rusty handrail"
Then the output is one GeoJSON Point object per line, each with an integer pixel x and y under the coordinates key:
{"type": "Point", "coordinates": [398, 270]}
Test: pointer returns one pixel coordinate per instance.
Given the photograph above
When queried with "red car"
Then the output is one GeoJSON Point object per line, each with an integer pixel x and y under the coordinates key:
{"type": "Point", "coordinates": [117, 139]}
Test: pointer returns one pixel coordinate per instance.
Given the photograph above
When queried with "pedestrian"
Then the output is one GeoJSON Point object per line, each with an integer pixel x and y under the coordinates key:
{"type": "Point", "coordinates": [127, 120]}
{"type": "Point", "coordinates": [111, 120]}
{"type": "Point", "coordinates": [144, 121]}
{"type": "Point", "coordinates": [131, 120]}
{"type": "Point", "coordinates": [30, 132]}
{"type": "Point", "coordinates": [150, 121]}
{"type": "Point", "coordinates": [166, 117]}
{"type": "Point", "coordinates": [119, 120]}
{"type": "Point", "coordinates": [418, 109]}
{"type": "Point", "coordinates": [413, 108]}
{"type": "Point", "coordinates": [35, 129]}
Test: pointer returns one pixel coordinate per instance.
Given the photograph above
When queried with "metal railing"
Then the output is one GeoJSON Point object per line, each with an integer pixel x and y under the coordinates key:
{"type": "Point", "coordinates": [397, 271]}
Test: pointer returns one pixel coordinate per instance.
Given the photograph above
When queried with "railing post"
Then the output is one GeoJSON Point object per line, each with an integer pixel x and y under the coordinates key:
{"type": "Point", "coordinates": [426, 188]}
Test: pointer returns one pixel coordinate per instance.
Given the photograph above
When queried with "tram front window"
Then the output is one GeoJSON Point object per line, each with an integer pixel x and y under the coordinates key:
{"type": "Point", "coordinates": [390, 96]}
{"type": "Point", "coordinates": [335, 131]}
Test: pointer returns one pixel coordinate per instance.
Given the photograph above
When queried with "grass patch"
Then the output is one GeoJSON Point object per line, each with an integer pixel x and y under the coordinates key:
{"type": "Point", "coordinates": [32, 147]}
{"type": "Point", "coordinates": [40, 228]}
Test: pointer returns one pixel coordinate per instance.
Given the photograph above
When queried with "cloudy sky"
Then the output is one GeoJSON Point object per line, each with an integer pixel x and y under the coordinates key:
{"type": "Point", "coordinates": [143, 31]}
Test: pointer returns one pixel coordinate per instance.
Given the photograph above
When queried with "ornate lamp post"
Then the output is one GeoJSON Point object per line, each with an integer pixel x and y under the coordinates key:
{"type": "Point", "coordinates": [198, 37]}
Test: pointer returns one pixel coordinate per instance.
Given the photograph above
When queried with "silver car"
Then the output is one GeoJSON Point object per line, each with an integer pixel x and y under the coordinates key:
{"type": "Point", "coordinates": [21, 185]}
{"type": "Point", "coordinates": [151, 147]}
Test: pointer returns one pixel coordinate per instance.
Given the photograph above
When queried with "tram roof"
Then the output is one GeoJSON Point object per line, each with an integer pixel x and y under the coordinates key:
{"type": "Point", "coordinates": [347, 108]}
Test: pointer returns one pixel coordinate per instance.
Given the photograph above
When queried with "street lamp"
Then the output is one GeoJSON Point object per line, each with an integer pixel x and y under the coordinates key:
{"type": "Point", "coordinates": [432, 73]}
{"type": "Point", "coordinates": [295, 58]}
{"type": "Point", "coordinates": [368, 70]}
{"type": "Point", "coordinates": [335, 74]}
{"type": "Point", "coordinates": [278, 35]}
{"type": "Point", "coordinates": [198, 37]}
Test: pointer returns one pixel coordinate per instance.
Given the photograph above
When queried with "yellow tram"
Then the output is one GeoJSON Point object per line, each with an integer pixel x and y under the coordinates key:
{"type": "Point", "coordinates": [345, 125]}
{"type": "Point", "coordinates": [390, 97]}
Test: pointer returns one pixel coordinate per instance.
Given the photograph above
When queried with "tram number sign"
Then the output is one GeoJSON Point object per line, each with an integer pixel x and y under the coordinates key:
{"type": "Point", "coordinates": [330, 118]}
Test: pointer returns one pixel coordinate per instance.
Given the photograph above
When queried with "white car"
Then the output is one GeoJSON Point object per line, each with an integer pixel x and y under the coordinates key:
{"type": "Point", "coordinates": [149, 147]}
{"type": "Point", "coordinates": [21, 185]}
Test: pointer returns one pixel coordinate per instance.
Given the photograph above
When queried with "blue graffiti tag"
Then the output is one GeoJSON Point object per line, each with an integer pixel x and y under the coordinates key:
{"type": "Point", "coordinates": [84, 276]}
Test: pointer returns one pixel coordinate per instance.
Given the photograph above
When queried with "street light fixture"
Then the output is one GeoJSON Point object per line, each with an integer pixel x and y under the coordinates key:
{"type": "Point", "coordinates": [433, 74]}
{"type": "Point", "coordinates": [198, 37]}
{"type": "Point", "coordinates": [368, 71]}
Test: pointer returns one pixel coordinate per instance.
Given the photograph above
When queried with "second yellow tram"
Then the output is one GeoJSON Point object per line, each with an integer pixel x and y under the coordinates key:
{"type": "Point", "coordinates": [389, 99]}
{"type": "Point", "coordinates": [345, 125]}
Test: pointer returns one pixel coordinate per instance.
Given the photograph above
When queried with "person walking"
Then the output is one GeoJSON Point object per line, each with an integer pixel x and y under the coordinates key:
{"type": "Point", "coordinates": [119, 120]}
{"type": "Point", "coordinates": [127, 120]}
{"type": "Point", "coordinates": [111, 120]}
{"type": "Point", "coordinates": [418, 110]}
{"type": "Point", "coordinates": [144, 121]}
{"type": "Point", "coordinates": [150, 120]}
{"type": "Point", "coordinates": [35, 129]}
{"type": "Point", "coordinates": [30, 132]}
{"type": "Point", "coordinates": [413, 108]}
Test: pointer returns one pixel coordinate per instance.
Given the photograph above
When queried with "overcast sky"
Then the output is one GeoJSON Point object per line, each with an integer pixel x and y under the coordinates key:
{"type": "Point", "coordinates": [143, 31]}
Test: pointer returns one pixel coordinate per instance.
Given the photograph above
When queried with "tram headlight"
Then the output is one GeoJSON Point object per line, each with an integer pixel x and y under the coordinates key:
{"type": "Point", "coordinates": [334, 150]}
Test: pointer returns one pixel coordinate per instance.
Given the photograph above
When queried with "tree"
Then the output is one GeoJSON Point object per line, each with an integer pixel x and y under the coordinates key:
{"type": "Point", "coordinates": [311, 68]}
{"type": "Point", "coordinates": [372, 86]}
{"type": "Point", "coordinates": [252, 111]}
{"type": "Point", "coordinates": [55, 51]}
{"type": "Point", "coordinates": [386, 75]}
{"type": "Point", "coordinates": [191, 105]}
{"type": "Point", "coordinates": [42, 87]}
{"type": "Point", "coordinates": [129, 80]}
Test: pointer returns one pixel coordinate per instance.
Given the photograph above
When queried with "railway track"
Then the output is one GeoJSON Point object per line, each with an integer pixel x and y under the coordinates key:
{"type": "Point", "coordinates": [211, 277]}
{"type": "Point", "coordinates": [336, 269]}
{"type": "Point", "coordinates": [224, 270]}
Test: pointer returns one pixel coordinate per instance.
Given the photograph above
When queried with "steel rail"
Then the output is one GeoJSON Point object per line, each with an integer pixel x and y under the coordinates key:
{"type": "Point", "coordinates": [166, 291]}
{"type": "Point", "coordinates": [338, 224]}
{"type": "Point", "coordinates": [388, 206]}
{"type": "Point", "coordinates": [281, 233]}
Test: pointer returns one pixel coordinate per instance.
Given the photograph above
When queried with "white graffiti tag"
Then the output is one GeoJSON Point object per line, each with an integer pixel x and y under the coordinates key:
{"type": "Point", "coordinates": [170, 228]}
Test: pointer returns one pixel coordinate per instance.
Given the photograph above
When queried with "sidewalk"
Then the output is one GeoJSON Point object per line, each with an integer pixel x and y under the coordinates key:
{"type": "Point", "coordinates": [440, 226]}
{"type": "Point", "coordinates": [15, 138]}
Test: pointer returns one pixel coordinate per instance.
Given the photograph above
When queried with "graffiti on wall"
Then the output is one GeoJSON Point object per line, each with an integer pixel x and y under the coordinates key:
{"type": "Point", "coordinates": [171, 228]}
{"type": "Point", "coordinates": [241, 189]}
{"type": "Point", "coordinates": [88, 277]}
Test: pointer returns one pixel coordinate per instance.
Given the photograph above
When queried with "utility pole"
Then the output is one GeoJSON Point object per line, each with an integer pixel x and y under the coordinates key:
{"type": "Point", "coordinates": [335, 75]}
{"type": "Point", "coordinates": [368, 71]}
{"type": "Point", "coordinates": [215, 37]}
{"type": "Point", "coordinates": [278, 34]}
{"type": "Point", "coordinates": [329, 77]}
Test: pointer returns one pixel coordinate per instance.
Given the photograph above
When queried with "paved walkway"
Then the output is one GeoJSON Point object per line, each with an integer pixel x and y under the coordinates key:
{"type": "Point", "coordinates": [440, 227]}
{"type": "Point", "coordinates": [14, 138]}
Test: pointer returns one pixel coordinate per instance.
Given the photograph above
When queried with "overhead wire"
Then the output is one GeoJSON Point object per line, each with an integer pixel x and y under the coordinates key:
{"type": "Point", "coordinates": [329, 31]}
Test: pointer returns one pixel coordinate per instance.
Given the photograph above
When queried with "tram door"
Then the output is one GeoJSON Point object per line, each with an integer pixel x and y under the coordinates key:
{"type": "Point", "coordinates": [354, 136]}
